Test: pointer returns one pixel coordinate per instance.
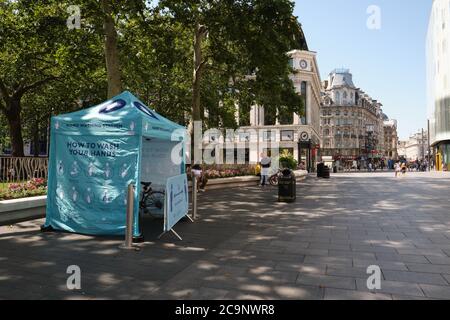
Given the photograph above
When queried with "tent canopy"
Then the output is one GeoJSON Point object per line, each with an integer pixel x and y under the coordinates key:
{"type": "Point", "coordinates": [96, 153]}
{"type": "Point", "coordinates": [122, 115]}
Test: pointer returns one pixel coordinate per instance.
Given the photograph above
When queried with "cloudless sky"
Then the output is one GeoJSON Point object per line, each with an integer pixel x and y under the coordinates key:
{"type": "Point", "coordinates": [389, 64]}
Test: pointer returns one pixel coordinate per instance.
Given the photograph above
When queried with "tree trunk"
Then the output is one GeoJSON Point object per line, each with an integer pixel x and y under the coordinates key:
{"type": "Point", "coordinates": [36, 139]}
{"type": "Point", "coordinates": [12, 114]}
{"type": "Point", "coordinates": [200, 33]}
{"type": "Point", "coordinates": [111, 51]}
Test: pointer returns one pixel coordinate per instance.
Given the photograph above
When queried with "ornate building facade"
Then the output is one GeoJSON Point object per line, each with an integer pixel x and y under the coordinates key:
{"type": "Point", "coordinates": [352, 124]}
{"type": "Point", "coordinates": [390, 139]}
{"type": "Point", "coordinates": [299, 135]}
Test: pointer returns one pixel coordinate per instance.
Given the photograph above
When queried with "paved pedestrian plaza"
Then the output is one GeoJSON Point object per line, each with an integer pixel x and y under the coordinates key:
{"type": "Point", "coordinates": [246, 245]}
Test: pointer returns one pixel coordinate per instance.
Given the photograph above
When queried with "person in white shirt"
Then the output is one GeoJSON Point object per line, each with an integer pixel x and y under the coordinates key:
{"type": "Point", "coordinates": [266, 163]}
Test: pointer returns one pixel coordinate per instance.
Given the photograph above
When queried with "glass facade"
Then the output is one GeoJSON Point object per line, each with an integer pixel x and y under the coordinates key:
{"type": "Point", "coordinates": [438, 84]}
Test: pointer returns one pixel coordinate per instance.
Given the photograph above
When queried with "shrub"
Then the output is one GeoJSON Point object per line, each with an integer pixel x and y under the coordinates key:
{"type": "Point", "coordinates": [287, 161]}
{"type": "Point", "coordinates": [31, 188]}
{"type": "Point", "coordinates": [228, 171]}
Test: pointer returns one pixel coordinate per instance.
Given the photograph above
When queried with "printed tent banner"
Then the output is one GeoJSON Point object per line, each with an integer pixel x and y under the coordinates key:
{"type": "Point", "coordinates": [97, 152]}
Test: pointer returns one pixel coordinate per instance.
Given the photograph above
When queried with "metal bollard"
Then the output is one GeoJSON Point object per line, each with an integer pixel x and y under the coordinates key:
{"type": "Point", "coordinates": [194, 197]}
{"type": "Point", "coordinates": [129, 219]}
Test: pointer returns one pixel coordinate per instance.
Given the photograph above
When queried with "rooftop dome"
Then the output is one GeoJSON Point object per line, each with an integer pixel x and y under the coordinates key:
{"type": "Point", "coordinates": [341, 78]}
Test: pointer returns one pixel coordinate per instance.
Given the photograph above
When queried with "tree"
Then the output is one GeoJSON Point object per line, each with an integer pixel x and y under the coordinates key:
{"type": "Point", "coordinates": [242, 45]}
{"type": "Point", "coordinates": [156, 62]}
{"type": "Point", "coordinates": [46, 68]}
{"type": "Point", "coordinates": [29, 40]}
{"type": "Point", "coordinates": [111, 51]}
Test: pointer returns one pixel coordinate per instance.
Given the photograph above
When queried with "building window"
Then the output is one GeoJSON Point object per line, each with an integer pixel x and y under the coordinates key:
{"type": "Point", "coordinates": [244, 137]}
{"type": "Point", "coordinates": [268, 136]}
{"type": "Point", "coordinates": [304, 94]}
{"type": "Point", "coordinates": [239, 155]}
{"type": "Point", "coordinates": [338, 98]}
{"type": "Point", "coordinates": [287, 135]}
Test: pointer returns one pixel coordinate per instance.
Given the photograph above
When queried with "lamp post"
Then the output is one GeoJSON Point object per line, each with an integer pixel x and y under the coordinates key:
{"type": "Point", "coordinates": [369, 129]}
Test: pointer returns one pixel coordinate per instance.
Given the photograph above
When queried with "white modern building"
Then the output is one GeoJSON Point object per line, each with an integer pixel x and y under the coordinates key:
{"type": "Point", "coordinates": [415, 148]}
{"type": "Point", "coordinates": [438, 78]}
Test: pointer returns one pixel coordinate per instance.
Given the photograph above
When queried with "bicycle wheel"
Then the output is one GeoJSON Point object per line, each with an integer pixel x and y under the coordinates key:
{"type": "Point", "coordinates": [154, 203]}
{"type": "Point", "coordinates": [273, 180]}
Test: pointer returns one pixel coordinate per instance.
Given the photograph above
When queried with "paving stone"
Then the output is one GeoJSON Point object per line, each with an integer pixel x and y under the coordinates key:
{"type": "Point", "coordinates": [325, 281]}
{"type": "Point", "coordinates": [328, 260]}
{"type": "Point", "coordinates": [351, 272]}
{"type": "Point", "coordinates": [352, 254]}
{"type": "Point", "coordinates": [341, 294]}
{"type": "Point", "coordinates": [302, 267]}
{"type": "Point", "coordinates": [414, 277]}
{"type": "Point", "coordinates": [384, 265]}
{"type": "Point", "coordinates": [422, 252]}
{"type": "Point", "coordinates": [438, 260]}
{"type": "Point", "coordinates": [299, 292]}
{"type": "Point", "coordinates": [247, 246]}
{"type": "Point", "coordinates": [392, 287]}
{"type": "Point", "coordinates": [401, 258]}
{"type": "Point", "coordinates": [438, 292]}
{"type": "Point", "coordinates": [429, 268]}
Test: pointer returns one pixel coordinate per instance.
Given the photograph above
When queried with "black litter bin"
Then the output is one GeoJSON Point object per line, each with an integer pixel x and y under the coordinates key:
{"type": "Point", "coordinates": [326, 172]}
{"type": "Point", "coordinates": [287, 186]}
{"type": "Point", "coordinates": [320, 168]}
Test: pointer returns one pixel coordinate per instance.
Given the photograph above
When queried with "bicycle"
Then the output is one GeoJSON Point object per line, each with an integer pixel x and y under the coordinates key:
{"type": "Point", "coordinates": [273, 179]}
{"type": "Point", "coordinates": [152, 202]}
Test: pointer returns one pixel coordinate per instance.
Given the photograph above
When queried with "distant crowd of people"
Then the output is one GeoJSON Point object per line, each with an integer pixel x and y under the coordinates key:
{"type": "Point", "coordinates": [373, 166]}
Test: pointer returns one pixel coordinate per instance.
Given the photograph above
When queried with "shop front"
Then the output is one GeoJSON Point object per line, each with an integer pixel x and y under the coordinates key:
{"type": "Point", "coordinates": [442, 156]}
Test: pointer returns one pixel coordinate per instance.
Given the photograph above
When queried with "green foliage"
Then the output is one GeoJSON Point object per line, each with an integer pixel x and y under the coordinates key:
{"type": "Point", "coordinates": [55, 70]}
{"type": "Point", "coordinates": [288, 161]}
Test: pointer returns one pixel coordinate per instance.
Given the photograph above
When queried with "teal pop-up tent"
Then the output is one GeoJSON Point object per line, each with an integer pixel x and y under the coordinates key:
{"type": "Point", "coordinates": [97, 152]}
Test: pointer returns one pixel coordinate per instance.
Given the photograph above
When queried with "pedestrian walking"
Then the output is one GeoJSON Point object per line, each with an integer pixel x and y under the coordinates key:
{"type": "Point", "coordinates": [265, 163]}
{"type": "Point", "coordinates": [404, 168]}
{"type": "Point", "coordinates": [397, 169]}
{"type": "Point", "coordinates": [202, 180]}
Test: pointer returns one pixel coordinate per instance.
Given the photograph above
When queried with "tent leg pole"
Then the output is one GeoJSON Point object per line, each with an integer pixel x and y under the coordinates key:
{"type": "Point", "coordinates": [194, 197]}
{"type": "Point", "coordinates": [161, 235]}
{"type": "Point", "coordinates": [129, 226]}
{"type": "Point", "coordinates": [176, 234]}
{"type": "Point", "coordinates": [173, 231]}
{"type": "Point", "coordinates": [192, 220]}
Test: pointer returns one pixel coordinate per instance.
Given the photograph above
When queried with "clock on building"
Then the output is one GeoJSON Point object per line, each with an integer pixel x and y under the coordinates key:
{"type": "Point", "coordinates": [303, 64]}
{"type": "Point", "coordinates": [304, 136]}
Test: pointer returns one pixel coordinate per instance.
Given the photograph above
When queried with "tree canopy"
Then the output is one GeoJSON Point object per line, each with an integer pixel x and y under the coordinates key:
{"type": "Point", "coordinates": [189, 60]}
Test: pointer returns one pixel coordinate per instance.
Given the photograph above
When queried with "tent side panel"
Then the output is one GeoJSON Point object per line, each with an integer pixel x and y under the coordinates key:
{"type": "Point", "coordinates": [89, 183]}
{"type": "Point", "coordinates": [137, 194]}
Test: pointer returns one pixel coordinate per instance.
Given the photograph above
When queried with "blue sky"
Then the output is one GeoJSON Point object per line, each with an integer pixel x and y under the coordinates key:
{"type": "Point", "coordinates": [389, 64]}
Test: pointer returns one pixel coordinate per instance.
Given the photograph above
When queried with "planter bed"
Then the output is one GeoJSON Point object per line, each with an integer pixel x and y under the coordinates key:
{"type": "Point", "coordinates": [34, 207]}
{"type": "Point", "coordinates": [22, 209]}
